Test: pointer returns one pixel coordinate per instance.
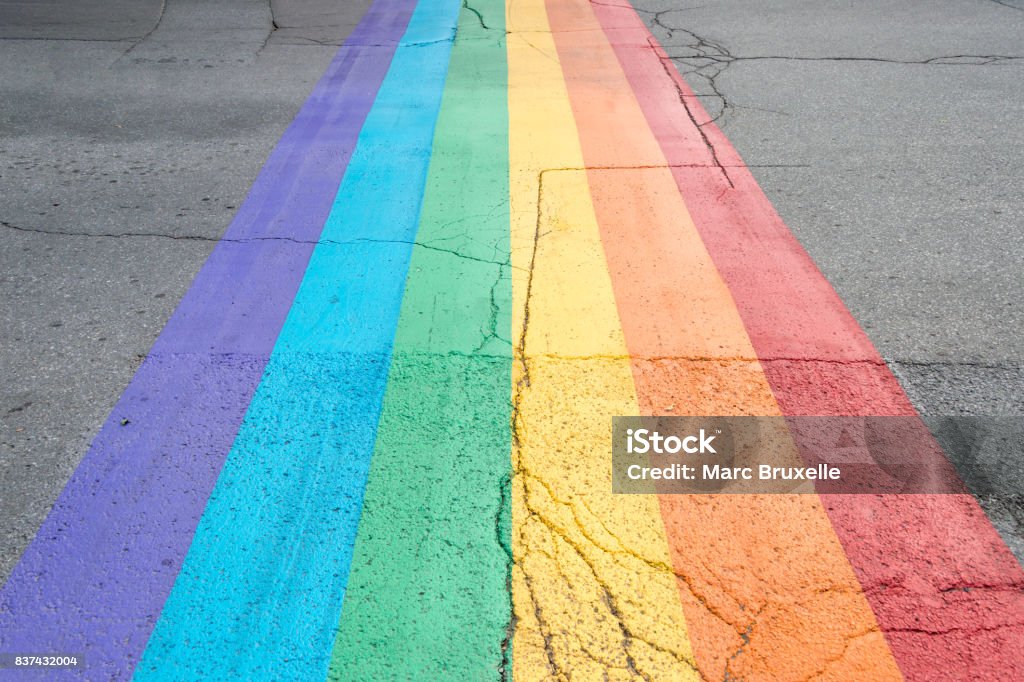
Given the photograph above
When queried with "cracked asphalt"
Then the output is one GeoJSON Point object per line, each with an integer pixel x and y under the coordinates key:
{"type": "Point", "coordinates": [130, 132]}
{"type": "Point", "coordinates": [888, 139]}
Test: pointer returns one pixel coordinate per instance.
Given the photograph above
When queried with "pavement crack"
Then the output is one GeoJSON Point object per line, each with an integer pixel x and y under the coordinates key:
{"type": "Point", "coordinates": [608, 597]}
{"type": "Point", "coordinates": [1006, 4]}
{"type": "Point", "coordinates": [627, 635]}
{"type": "Point", "coordinates": [124, 235]}
{"type": "Point", "coordinates": [521, 472]}
{"type": "Point", "coordinates": [491, 332]}
{"type": "Point", "coordinates": [970, 628]}
{"type": "Point", "coordinates": [715, 56]}
{"type": "Point", "coordinates": [147, 34]}
{"type": "Point", "coordinates": [829, 662]}
{"type": "Point", "coordinates": [744, 642]}
{"type": "Point", "coordinates": [1016, 586]}
{"type": "Point", "coordinates": [545, 630]}
{"type": "Point", "coordinates": [707, 60]}
{"type": "Point", "coordinates": [313, 41]}
{"type": "Point", "coordinates": [538, 613]}
{"type": "Point", "coordinates": [670, 71]}
{"type": "Point", "coordinates": [942, 60]}
{"type": "Point", "coordinates": [273, 27]}
{"type": "Point", "coordinates": [480, 18]}
{"type": "Point", "coordinates": [426, 43]}
{"type": "Point", "coordinates": [523, 382]}
{"type": "Point", "coordinates": [422, 245]}
{"type": "Point", "coordinates": [501, 525]}
{"type": "Point", "coordinates": [957, 363]}
{"type": "Point", "coordinates": [249, 240]}
{"type": "Point", "coordinates": [67, 40]}
{"type": "Point", "coordinates": [645, 11]}
{"type": "Point", "coordinates": [709, 358]}
{"type": "Point", "coordinates": [522, 36]}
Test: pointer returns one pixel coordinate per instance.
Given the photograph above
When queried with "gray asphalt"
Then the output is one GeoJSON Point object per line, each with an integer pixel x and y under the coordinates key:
{"type": "Point", "coordinates": [118, 119]}
{"type": "Point", "coordinates": [887, 136]}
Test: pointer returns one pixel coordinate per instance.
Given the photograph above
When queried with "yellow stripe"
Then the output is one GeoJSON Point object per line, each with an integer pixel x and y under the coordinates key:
{"type": "Point", "coordinates": [593, 589]}
{"type": "Point", "coordinates": [748, 612]}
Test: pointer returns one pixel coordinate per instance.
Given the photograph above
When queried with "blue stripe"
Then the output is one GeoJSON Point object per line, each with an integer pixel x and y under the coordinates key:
{"type": "Point", "coordinates": [260, 593]}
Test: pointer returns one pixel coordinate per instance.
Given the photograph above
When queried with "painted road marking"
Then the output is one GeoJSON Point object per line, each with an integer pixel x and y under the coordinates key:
{"type": "Point", "coordinates": [693, 353]}
{"type": "Point", "coordinates": [592, 583]}
{"type": "Point", "coordinates": [914, 554]}
{"type": "Point", "coordinates": [96, 575]}
{"type": "Point", "coordinates": [429, 584]}
{"type": "Point", "coordinates": [572, 240]}
{"type": "Point", "coordinates": [262, 586]}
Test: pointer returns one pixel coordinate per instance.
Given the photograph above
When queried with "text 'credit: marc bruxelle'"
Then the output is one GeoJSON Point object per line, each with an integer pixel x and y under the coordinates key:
{"type": "Point", "coordinates": [834, 455]}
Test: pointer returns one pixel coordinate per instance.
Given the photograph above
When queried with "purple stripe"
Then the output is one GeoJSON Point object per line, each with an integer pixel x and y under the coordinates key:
{"type": "Point", "coordinates": [95, 578]}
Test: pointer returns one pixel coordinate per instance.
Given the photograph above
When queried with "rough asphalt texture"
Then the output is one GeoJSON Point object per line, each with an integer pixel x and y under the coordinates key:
{"type": "Point", "coordinates": [888, 137]}
{"type": "Point", "coordinates": [120, 120]}
{"type": "Point", "coordinates": [131, 131]}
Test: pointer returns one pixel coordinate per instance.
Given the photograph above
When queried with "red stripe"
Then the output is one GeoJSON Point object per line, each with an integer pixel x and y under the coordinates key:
{"type": "Point", "coordinates": [947, 592]}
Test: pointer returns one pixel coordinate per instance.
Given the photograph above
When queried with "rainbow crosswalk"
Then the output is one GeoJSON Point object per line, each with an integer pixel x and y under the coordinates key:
{"type": "Point", "coordinates": [374, 440]}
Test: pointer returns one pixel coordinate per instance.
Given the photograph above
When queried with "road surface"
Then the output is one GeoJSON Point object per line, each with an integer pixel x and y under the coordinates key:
{"type": "Point", "coordinates": [311, 354]}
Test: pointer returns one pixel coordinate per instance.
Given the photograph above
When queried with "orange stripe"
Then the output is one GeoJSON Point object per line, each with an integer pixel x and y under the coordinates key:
{"type": "Point", "coordinates": [766, 588]}
{"type": "Point", "coordinates": [944, 587]}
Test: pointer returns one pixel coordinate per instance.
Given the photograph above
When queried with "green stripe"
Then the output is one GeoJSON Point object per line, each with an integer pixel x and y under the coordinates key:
{"type": "Point", "coordinates": [428, 594]}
